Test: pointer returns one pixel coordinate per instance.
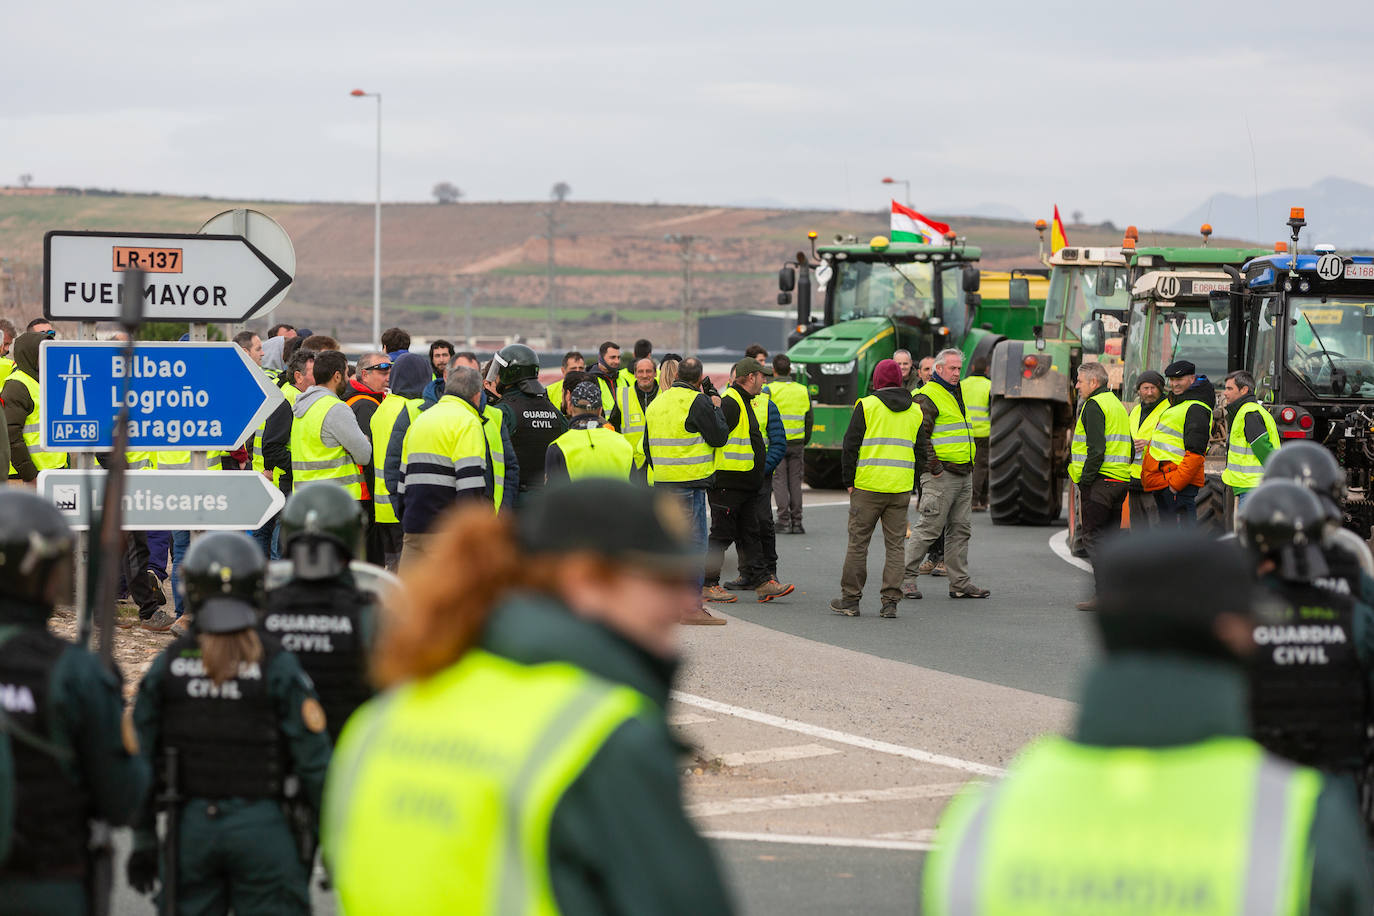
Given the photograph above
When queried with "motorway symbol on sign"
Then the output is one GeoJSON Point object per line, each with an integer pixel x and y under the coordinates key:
{"type": "Point", "coordinates": [168, 500]}
{"type": "Point", "coordinates": [184, 396]}
{"type": "Point", "coordinates": [202, 278]}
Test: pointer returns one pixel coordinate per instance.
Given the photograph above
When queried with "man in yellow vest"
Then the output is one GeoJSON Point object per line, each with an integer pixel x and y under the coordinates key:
{"type": "Point", "coordinates": [410, 377]}
{"type": "Point", "coordinates": [7, 335]}
{"type": "Point", "coordinates": [629, 373]}
{"type": "Point", "coordinates": [947, 483]}
{"type": "Point", "coordinates": [1174, 468]}
{"type": "Point", "coordinates": [976, 388]}
{"type": "Point", "coordinates": [1144, 417]}
{"type": "Point", "coordinates": [794, 405]}
{"type": "Point", "coordinates": [1253, 435]}
{"type": "Point", "coordinates": [878, 462]}
{"type": "Point", "coordinates": [443, 460]}
{"type": "Point", "coordinates": [607, 373]}
{"type": "Point", "coordinates": [634, 399]}
{"type": "Point", "coordinates": [1158, 803]}
{"type": "Point", "coordinates": [326, 441]}
{"type": "Point", "coordinates": [1099, 460]}
{"type": "Point", "coordinates": [683, 428]}
{"type": "Point", "coordinates": [297, 376]}
{"type": "Point", "coordinates": [590, 448]}
{"type": "Point", "coordinates": [24, 413]}
{"type": "Point", "coordinates": [573, 361]}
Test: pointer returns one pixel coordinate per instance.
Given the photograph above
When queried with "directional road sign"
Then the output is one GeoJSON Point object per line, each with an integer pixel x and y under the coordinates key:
{"type": "Point", "coordinates": [184, 396]}
{"type": "Point", "coordinates": [204, 278]}
{"type": "Point", "coordinates": [168, 500]}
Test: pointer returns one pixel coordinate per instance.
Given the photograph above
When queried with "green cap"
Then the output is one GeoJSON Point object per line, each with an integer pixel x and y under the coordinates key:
{"type": "Point", "coordinates": [634, 524]}
{"type": "Point", "coordinates": [746, 366]}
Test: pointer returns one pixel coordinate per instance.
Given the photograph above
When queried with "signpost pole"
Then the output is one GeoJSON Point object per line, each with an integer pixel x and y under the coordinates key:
{"type": "Point", "coordinates": [84, 461]}
{"type": "Point", "coordinates": [199, 333]}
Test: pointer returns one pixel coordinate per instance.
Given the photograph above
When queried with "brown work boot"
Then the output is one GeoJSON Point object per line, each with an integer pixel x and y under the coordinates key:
{"type": "Point", "coordinates": [700, 617]}
{"type": "Point", "coordinates": [909, 589]}
{"type": "Point", "coordinates": [160, 622]}
{"type": "Point", "coordinates": [926, 569]}
{"type": "Point", "coordinates": [940, 570]}
{"type": "Point", "coordinates": [717, 595]}
{"type": "Point", "coordinates": [889, 610]}
{"type": "Point", "coordinates": [847, 610]}
{"type": "Point", "coordinates": [969, 591]}
{"type": "Point", "coordinates": [773, 589]}
{"type": "Point", "coordinates": [182, 625]}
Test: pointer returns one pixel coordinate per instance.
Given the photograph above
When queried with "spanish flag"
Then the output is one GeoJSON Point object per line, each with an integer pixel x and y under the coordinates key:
{"type": "Point", "coordinates": [1057, 237]}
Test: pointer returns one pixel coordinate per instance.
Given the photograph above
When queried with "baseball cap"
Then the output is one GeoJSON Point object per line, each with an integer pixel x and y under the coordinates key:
{"type": "Point", "coordinates": [746, 366]}
{"type": "Point", "coordinates": [636, 525]}
{"type": "Point", "coordinates": [1179, 368]}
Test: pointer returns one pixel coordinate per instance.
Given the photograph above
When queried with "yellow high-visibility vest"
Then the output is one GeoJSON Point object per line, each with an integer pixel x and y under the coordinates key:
{"type": "Point", "coordinates": [43, 459]}
{"type": "Point", "coordinates": [383, 422]}
{"type": "Point", "coordinates": [977, 392]}
{"type": "Point", "coordinates": [793, 402]}
{"type": "Point", "coordinates": [679, 456]}
{"type": "Point", "coordinates": [887, 457]}
{"type": "Point", "coordinates": [1116, 462]}
{"type": "Point", "coordinates": [1243, 469]}
{"type": "Point", "coordinates": [311, 459]}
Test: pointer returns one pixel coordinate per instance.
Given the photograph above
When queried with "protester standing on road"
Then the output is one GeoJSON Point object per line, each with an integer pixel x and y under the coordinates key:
{"type": "Point", "coordinates": [634, 399]}
{"type": "Point", "coordinates": [531, 419]}
{"type": "Point", "coordinates": [544, 660]}
{"type": "Point", "coordinates": [1158, 799]}
{"type": "Point", "coordinates": [241, 716]}
{"type": "Point", "coordinates": [607, 373]}
{"type": "Point", "coordinates": [326, 441]}
{"type": "Point", "coordinates": [1144, 417]}
{"type": "Point", "coordinates": [925, 371]}
{"type": "Point", "coordinates": [443, 460]}
{"type": "Point", "coordinates": [737, 490]}
{"type": "Point", "coordinates": [409, 378]}
{"type": "Point", "coordinates": [366, 394]}
{"type": "Point", "coordinates": [644, 349]}
{"type": "Point", "coordinates": [878, 466]}
{"type": "Point", "coordinates": [588, 448]}
{"type": "Point", "coordinates": [683, 428]}
{"type": "Point", "coordinates": [794, 406]}
{"type": "Point", "coordinates": [976, 388]}
{"type": "Point", "coordinates": [947, 483]}
{"type": "Point", "coordinates": [434, 390]}
{"type": "Point", "coordinates": [1173, 468]}
{"type": "Point", "coordinates": [910, 380]}
{"type": "Point", "coordinates": [67, 761]}
{"type": "Point", "coordinates": [573, 361]}
{"type": "Point", "coordinates": [1253, 436]}
{"type": "Point", "coordinates": [440, 352]}
{"type": "Point", "coordinates": [775, 439]}
{"type": "Point", "coordinates": [395, 341]}
{"type": "Point", "coordinates": [24, 413]}
{"type": "Point", "coordinates": [1099, 460]}
{"type": "Point", "coordinates": [320, 614]}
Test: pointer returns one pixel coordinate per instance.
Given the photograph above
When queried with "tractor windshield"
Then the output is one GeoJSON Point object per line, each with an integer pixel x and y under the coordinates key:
{"type": "Point", "coordinates": [1075, 292]}
{"type": "Point", "coordinates": [1161, 333]}
{"type": "Point", "coordinates": [874, 289]}
{"type": "Point", "coordinates": [1331, 345]}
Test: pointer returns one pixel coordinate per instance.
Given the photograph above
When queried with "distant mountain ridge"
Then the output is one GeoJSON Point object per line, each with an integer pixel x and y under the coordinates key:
{"type": "Point", "coordinates": [1339, 212]}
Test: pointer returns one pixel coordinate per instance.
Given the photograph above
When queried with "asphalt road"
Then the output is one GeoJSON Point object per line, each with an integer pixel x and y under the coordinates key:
{"type": "Point", "coordinates": [824, 748]}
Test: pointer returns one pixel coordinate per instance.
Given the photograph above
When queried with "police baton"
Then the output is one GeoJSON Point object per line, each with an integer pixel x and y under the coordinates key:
{"type": "Point", "coordinates": [169, 803]}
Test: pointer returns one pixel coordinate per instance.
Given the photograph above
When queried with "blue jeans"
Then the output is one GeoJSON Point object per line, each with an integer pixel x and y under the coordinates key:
{"type": "Point", "coordinates": [1241, 497]}
{"type": "Point", "coordinates": [1177, 509]}
{"type": "Point", "coordinates": [266, 536]}
{"type": "Point", "coordinates": [180, 541]}
{"type": "Point", "coordinates": [159, 546]}
{"type": "Point", "coordinates": [694, 502]}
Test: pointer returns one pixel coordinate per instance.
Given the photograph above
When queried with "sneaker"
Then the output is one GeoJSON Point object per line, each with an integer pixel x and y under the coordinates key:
{"type": "Point", "coordinates": [739, 584]}
{"type": "Point", "coordinates": [156, 585]}
{"type": "Point", "coordinates": [700, 617]}
{"type": "Point", "coordinates": [940, 570]}
{"type": "Point", "coordinates": [773, 589]}
{"type": "Point", "coordinates": [182, 625]}
{"type": "Point", "coordinates": [926, 569]}
{"type": "Point", "coordinates": [798, 529]}
{"type": "Point", "coordinates": [839, 607]}
{"type": "Point", "coordinates": [909, 590]}
{"type": "Point", "coordinates": [1089, 605]}
{"type": "Point", "coordinates": [717, 595]}
{"type": "Point", "coordinates": [889, 610]}
{"type": "Point", "coordinates": [969, 591]}
{"type": "Point", "coordinates": [160, 622]}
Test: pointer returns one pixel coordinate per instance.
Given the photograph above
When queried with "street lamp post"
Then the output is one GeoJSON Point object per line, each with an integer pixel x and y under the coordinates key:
{"type": "Point", "coordinates": [906, 185]}
{"type": "Point", "coordinates": [377, 224]}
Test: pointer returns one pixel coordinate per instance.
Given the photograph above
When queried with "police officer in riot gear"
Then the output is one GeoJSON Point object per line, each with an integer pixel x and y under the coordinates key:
{"type": "Point", "coordinates": [531, 419]}
{"type": "Point", "coordinates": [320, 613]}
{"type": "Point", "coordinates": [1347, 556]}
{"type": "Point", "coordinates": [1310, 677]}
{"type": "Point", "coordinates": [233, 720]}
{"type": "Point", "coordinates": [70, 763]}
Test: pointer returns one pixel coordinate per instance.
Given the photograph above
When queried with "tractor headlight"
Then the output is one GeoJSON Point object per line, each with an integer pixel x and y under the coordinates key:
{"type": "Point", "coordinates": [837, 368]}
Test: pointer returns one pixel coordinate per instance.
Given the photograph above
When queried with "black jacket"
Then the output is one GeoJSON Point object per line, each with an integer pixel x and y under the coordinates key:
{"type": "Point", "coordinates": [532, 422]}
{"type": "Point", "coordinates": [704, 418]}
{"type": "Point", "coordinates": [1095, 431]}
{"type": "Point", "coordinates": [895, 399]}
{"type": "Point", "coordinates": [751, 479]}
{"type": "Point", "coordinates": [276, 438]}
{"type": "Point", "coordinates": [1197, 426]}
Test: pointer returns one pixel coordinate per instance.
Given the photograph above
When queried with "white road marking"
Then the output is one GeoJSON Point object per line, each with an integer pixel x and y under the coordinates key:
{"type": "Point", "coordinates": [802, 840]}
{"type": "Point", "coordinates": [1059, 543]}
{"type": "Point", "coordinates": [755, 804]}
{"type": "Point", "coordinates": [688, 718]}
{"type": "Point", "coordinates": [810, 505]}
{"type": "Point", "coordinates": [839, 737]}
{"type": "Point", "coordinates": [775, 754]}
{"type": "Point", "coordinates": [923, 835]}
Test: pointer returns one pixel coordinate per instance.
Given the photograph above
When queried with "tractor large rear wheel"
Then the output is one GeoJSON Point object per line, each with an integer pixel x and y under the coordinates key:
{"type": "Point", "coordinates": [821, 468]}
{"type": "Point", "coordinates": [1022, 486]}
{"type": "Point", "coordinates": [1211, 507]}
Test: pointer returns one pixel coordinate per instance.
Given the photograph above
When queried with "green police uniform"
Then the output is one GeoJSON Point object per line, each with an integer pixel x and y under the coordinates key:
{"type": "Point", "coordinates": [564, 797]}
{"type": "Point", "coordinates": [235, 741]}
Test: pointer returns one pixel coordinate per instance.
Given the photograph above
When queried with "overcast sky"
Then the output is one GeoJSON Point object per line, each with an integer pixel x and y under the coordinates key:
{"type": "Point", "coordinates": [1134, 112]}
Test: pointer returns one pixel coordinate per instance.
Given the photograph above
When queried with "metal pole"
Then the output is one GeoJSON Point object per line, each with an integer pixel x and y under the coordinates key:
{"type": "Point", "coordinates": [551, 293]}
{"type": "Point", "coordinates": [467, 318]}
{"type": "Point", "coordinates": [377, 238]}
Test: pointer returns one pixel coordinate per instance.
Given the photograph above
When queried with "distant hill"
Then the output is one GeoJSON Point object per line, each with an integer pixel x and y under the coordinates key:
{"type": "Point", "coordinates": [619, 274]}
{"type": "Point", "coordinates": [1339, 211]}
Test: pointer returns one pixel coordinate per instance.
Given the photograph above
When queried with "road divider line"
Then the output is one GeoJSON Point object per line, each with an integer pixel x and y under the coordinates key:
{"type": "Point", "coordinates": [688, 718]}
{"type": "Point", "coordinates": [839, 737]}
{"type": "Point", "coordinates": [804, 840]}
{"type": "Point", "coordinates": [1059, 543]}
{"type": "Point", "coordinates": [755, 804]}
{"type": "Point", "coordinates": [777, 754]}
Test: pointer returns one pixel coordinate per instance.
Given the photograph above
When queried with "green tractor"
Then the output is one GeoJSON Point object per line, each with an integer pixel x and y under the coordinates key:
{"type": "Point", "coordinates": [878, 298]}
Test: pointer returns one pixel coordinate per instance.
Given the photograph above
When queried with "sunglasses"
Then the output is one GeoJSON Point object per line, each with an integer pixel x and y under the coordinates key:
{"type": "Point", "coordinates": [380, 367]}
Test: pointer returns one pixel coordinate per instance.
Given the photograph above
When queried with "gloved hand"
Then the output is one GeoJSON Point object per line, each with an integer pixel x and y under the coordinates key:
{"type": "Point", "coordinates": [141, 870]}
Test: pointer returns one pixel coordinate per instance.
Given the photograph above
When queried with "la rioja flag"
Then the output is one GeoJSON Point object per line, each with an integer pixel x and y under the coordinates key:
{"type": "Point", "coordinates": [910, 226]}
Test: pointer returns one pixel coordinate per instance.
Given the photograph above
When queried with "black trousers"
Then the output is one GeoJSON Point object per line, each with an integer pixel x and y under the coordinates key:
{"type": "Point", "coordinates": [768, 535]}
{"type": "Point", "coordinates": [1101, 511]}
{"type": "Point", "coordinates": [136, 573]}
{"type": "Point", "coordinates": [734, 520]}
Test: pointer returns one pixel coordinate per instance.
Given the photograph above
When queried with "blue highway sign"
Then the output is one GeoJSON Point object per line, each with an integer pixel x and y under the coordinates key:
{"type": "Point", "coordinates": [184, 396]}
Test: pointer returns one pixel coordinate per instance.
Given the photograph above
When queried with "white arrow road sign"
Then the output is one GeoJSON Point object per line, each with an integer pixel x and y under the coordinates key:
{"type": "Point", "coordinates": [168, 500]}
{"type": "Point", "coordinates": [203, 278]}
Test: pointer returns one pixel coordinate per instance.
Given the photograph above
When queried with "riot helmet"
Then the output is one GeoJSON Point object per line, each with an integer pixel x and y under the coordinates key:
{"type": "Point", "coordinates": [321, 530]}
{"type": "Point", "coordinates": [35, 547]}
{"type": "Point", "coordinates": [512, 365]}
{"type": "Point", "coordinates": [222, 578]}
{"type": "Point", "coordinates": [1314, 467]}
{"type": "Point", "coordinates": [1285, 522]}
